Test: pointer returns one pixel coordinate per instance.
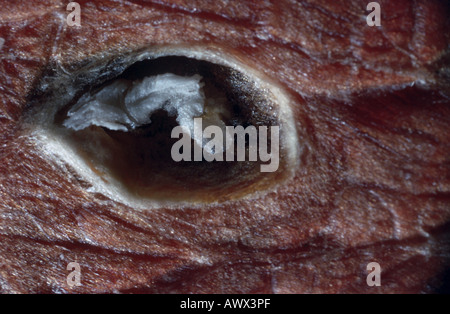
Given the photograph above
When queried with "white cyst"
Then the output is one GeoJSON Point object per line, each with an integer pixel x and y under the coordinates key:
{"type": "Point", "coordinates": [125, 105]}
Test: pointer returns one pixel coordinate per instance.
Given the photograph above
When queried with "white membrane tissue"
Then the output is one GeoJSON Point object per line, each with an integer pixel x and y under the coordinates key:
{"type": "Point", "coordinates": [125, 105]}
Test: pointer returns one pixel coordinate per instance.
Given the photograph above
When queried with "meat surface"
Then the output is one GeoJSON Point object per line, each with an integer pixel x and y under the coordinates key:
{"type": "Point", "coordinates": [372, 112]}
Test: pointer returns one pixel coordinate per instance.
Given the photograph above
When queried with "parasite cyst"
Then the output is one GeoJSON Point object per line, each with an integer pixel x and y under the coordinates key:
{"type": "Point", "coordinates": [119, 132]}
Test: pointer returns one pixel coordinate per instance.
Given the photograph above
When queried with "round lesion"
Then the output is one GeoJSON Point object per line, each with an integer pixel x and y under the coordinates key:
{"type": "Point", "coordinates": [139, 159]}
